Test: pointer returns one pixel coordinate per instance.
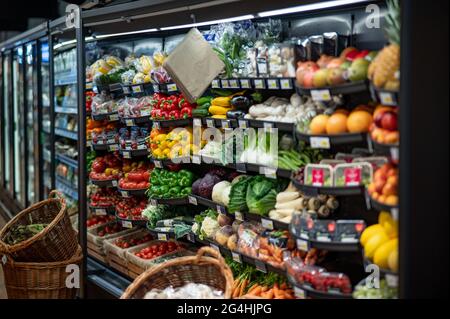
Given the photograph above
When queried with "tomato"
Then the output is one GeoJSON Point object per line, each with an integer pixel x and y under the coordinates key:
{"type": "Point", "coordinates": [135, 177]}
{"type": "Point", "coordinates": [146, 176]}
{"type": "Point", "coordinates": [142, 185]}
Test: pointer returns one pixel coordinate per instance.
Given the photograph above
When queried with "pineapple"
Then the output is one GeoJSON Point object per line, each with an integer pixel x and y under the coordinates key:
{"type": "Point", "coordinates": [384, 69]}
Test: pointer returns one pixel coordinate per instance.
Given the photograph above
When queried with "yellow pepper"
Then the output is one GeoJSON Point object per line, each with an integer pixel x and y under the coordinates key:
{"type": "Point", "coordinates": [219, 116]}
{"type": "Point", "coordinates": [218, 110]}
{"type": "Point", "coordinates": [221, 101]}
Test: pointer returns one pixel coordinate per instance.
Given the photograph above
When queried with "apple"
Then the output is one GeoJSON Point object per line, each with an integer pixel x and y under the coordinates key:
{"type": "Point", "coordinates": [389, 121]}
{"type": "Point", "coordinates": [362, 54]}
{"type": "Point", "coordinates": [308, 79]}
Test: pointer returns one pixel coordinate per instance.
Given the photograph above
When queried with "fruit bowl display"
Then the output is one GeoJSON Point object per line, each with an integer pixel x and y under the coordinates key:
{"type": "Point", "coordinates": [384, 187]}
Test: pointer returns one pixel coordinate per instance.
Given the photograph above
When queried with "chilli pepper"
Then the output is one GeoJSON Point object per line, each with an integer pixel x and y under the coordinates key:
{"type": "Point", "coordinates": [185, 178]}
{"type": "Point", "coordinates": [186, 112]}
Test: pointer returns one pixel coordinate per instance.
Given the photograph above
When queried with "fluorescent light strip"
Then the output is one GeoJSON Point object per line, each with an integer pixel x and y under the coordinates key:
{"type": "Point", "coordinates": [310, 7]}
{"type": "Point", "coordinates": [59, 45]}
{"type": "Point", "coordinates": [199, 24]}
{"type": "Point", "coordinates": [103, 36]}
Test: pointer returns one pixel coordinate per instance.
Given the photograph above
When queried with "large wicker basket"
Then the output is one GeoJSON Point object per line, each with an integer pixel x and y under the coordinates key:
{"type": "Point", "coordinates": [57, 242]}
{"type": "Point", "coordinates": [40, 280]}
{"type": "Point", "coordinates": [199, 269]}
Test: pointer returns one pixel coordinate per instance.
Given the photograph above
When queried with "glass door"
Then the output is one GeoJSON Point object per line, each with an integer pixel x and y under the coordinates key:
{"type": "Point", "coordinates": [6, 121]}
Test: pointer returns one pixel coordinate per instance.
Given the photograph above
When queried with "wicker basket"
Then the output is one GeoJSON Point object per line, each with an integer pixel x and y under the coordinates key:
{"type": "Point", "coordinates": [40, 280]}
{"type": "Point", "coordinates": [57, 242]}
{"type": "Point", "coordinates": [178, 272]}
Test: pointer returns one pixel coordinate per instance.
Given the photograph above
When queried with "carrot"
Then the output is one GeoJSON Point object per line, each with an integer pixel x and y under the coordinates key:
{"type": "Point", "coordinates": [236, 290]}
{"type": "Point", "coordinates": [269, 294]}
{"type": "Point", "coordinates": [252, 288]}
{"type": "Point", "coordinates": [244, 284]}
{"type": "Point", "coordinates": [257, 291]}
{"type": "Point", "coordinates": [283, 286]}
{"type": "Point", "coordinates": [277, 292]}
{"type": "Point", "coordinates": [288, 295]}
{"type": "Point", "coordinates": [264, 289]}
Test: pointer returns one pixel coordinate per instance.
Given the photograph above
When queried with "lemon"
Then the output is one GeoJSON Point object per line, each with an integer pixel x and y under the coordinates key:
{"type": "Point", "coordinates": [383, 252]}
{"type": "Point", "coordinates": [369, 232]}
{"type": "Point", "coordinates": [393, 260]}
{"type": "Point", "coordinates": [374, 242]}
{"type": "Point", "coordinates": [384, 217]}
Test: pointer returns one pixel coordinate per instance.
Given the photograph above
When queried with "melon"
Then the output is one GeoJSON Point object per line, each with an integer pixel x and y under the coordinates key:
{"type": "Point", "coordinates": [359, 122]}
{"type": "Point", "coordinates": [337, 124]}
{"type": "Point", "coordinates": [318, 124]}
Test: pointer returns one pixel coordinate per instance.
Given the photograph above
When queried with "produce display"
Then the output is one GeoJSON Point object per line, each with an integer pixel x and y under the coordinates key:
{"type": "Point", "coordinates": [188, 291]}
{"type": "Point", "coordinates": [171, 144]}
{"type": "Point", "coordinates": [108, 167]}
{"type": "Point", "coordinates": [20, 233]}
{"type": "Point", "coordinates": [134, 138]}
{"type": "Point", "coordinates": [131, 107]}
{"type": "Point", "coordinates": [171, 107]}
{"type": "Point", "coordinates": [107, 133]}
{"type": "Point", "coordinates": [103, 198]}
{"type": "Point", "coordinates": [137, 178]}
{"type": "Point", "coordinates": [170, 184]}
{"type": "Point", "coordinates": [131, 208]}
{"type": "Point", "coordinates": [380, 242]}
{"type": "Point", "coordinates": [128, 243]}
{"type": "Point", "coordinates": [384, 188]}
{"type": "Point", "coordinates": [104, 104]}
{"type": "Point", "coordinates": [215, 185]}
{"type": "Point", "coordinates": [158, 249]}
{"type": "Point", "coordinates": [109, 229]}
{"type": "Point", "coordinates": [363, 291]}
{"type": "Point", "coordinates": [99, 220]}
{"type": "Point", "coordinates": [384, 129]}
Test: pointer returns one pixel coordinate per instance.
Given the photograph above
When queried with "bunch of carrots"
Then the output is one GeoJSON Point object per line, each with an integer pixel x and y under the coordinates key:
{"type": "Point", "coordinates": [251, 283]}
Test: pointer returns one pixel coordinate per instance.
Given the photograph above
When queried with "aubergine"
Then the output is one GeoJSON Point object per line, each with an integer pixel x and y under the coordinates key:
{"type": "Point", "coordinates": [241, 102]}
{"type": "Point", "coordinates": [235, 114]}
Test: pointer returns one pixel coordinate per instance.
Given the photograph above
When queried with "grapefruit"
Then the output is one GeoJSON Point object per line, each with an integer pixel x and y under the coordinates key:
{"type": "Point", "coordinates": [359, 122]}
{"type": "Point", "coordinates": [337, 124]}
{"type": "Point", "coordinates": [318, 124]}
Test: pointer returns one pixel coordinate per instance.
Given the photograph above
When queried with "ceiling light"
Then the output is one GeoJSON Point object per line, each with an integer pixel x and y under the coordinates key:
{"type": "Point", "coordinates": [103, 36]}
{"type": "Point", "coordinates": [199, 24]}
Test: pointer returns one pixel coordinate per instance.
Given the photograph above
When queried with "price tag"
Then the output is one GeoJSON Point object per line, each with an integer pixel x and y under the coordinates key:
{"type": "Point", "coordinates": [88, 85]}
{"type": "Point", "coordinates": [126, 90]}
{"type": "Point", "coordinates": [190, 237]}
{"type": "Point", "coordinates": [4, 259]}
{"type": "Point", "coordinates": [215, 84]}
{"type": "Point", "coordinates": [245, 83]}
{"type": "Point", "coordinates": [156, 88]}
{"type": "Point", "coordinates": [215, 247]}
{"type": "Point", "coordinates": [225, 84]}
{"type": "Point", "coordinates": [387, 98]}
{"type": "Point", "coordinates": [391, 280]}
{"type": "Point", "coordinates": [220, 209]}
{"type": "Point", "coordinates": [95, 89]}
{"type": "Point", "coordinates": [162, 237]}
{"type": "Point", "coordinates": [196, 159]}
{"type": "Point", "coordinates": [234, 84]}
{"type": "Point", "coordinates": [113, 117]}
{"type": "Point", "coordinates": [269, 172]}
{"type": "Point", "coordinates": [100, 211]}
{"type": "Point", "coordinates": [153, 202]}
{"type": "Point", "coordinates": [158, 164]}
{"type": "Point", "coordinates": [268, 125]}
{"type": "Point", "coordinates": [267, 224]}
{"type": "Point", "coordinates": [259, 84]}
{"type": "Point", "coordinates": [145, 113]}
{"type": "Point", "coordinates": [260, 265]}
{"type": "Point", "coordinates": [299, 293]}
{"type": "Point", "coordinates": [394, 153]}
{"type": "Point", "coordinates": [137, 89]}
{"type": "Point", "coordinates": [114, 183]}
{"type": "Point", "coordinates": [302, 245]}
{"type": "Point", "coordinates": [172, 87]}
{"type": "Point", "coordinates": [272, 84]}
{"type": "Point", "coordinates": [321, 95]}
{"type": "Point", "coordinates": [126, 155]}
{"type": "Point", "coordinates": [239, 216]}
{"type": "Point", "coordinates": [225, 124]}
{"type": "Point", "coordinates": [241, 168]}
{"type": "Point", "coordinates": [286, 84]}
{"type": "Point", "coordinates": [394, 213]}
{"type": "Point", "coordinates": [210, 123]}
{"type": "Point", "coordinates": [113, 147]}
{"type": "Point", "coordinates": [243, 124]}
{"type": "Point", "coordinates": [127, 224]}
{"type": "Point", "coordinates": [320, 142]}
{"type": "Point", "coordinates": [156, 125]}
{"type": "Point", "coordinates": [192, 200]}
{"type": "Point", "coordinates": [324, 238]}
{"type": "Point", "coordinates": [129, 122]}
{"type": "Point", "coordinates": [236, 257]}
{"type": "Point", "coordinates": [197, 122]}
{"type": "Point", "coordinates": [124, 194]}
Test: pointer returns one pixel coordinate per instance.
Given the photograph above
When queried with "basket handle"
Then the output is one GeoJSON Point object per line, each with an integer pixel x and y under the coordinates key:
{"type": "Point", "coordinates": [57, 195]}
{"type": "Point", "coordinates": [208, 250]}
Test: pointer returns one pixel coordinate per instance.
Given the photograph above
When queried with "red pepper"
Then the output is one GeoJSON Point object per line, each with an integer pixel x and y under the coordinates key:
{"type": "Point", "coordinates": [186, 112]}
{"type": "Point", "coordinates": [174, 114]}
{"type": "Point", "coordinates": [165, 115]}
{"type": "Point", "coordinates": [156, 114]}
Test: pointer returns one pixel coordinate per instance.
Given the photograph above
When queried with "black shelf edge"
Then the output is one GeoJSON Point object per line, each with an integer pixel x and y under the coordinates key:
{"type": "Point", "coordinates": [385, 97]}
{"type": "Point", "coordinates": [67, 134]}
{"type": "Point", "coordinates": [111, 117]}
{"type": "Point", "coordinates": [329, 141]}
{"type": "Point", "coordinates": [67, 160]}
{"type": "Point", "coordinates": [330, 246]}
{"type": "Point", "coordinates": [133, 121]}
{"type": "Point", "coordinates": [269, 83]}
{"type": "Point", "coordinates": [346, 88]}
{"type": "Point", "coordinates": [169, 201]}
{"type": "Point", "coordinates": [171, 123]}
{"type": "Point", "coordinates": [99, 211]}
{"type": "Point", "coordinates": [333, 191]}
{"type": "Point", "coordinates": [104, 183]}
{"type": "Point", "coordinates": [134, 153]}
{"type": "Point", "coordinates": [105, 147]}
{"type": "Point", "coordinates": [130, 223]}
{"type": "Point", "coordinates": [315, 294]}
{"type": "Point", "coordinates": [131, 192]}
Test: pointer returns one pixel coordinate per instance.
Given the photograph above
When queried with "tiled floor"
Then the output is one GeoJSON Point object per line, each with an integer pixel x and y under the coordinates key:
{"type": "Point", "coordinates": [2, 284]}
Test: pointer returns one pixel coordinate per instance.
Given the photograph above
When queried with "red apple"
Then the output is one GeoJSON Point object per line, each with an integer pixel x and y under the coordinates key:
{"type": "Point", "coordinates": [389, 121]}
{"type": "Point", "coordinates": [362, 54]}
{"type": "Point", "coordinates": [378, 118]}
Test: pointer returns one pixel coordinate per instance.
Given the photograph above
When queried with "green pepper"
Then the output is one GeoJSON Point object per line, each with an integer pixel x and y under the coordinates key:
{"type": "Point", "coordinates": [186, 191]}
{"type": "Point", "coordinates": [185, 178]}
{"type": "Point", "coordinates": [163, 177]}
{"type": "Point", "coordinates": [155, 178]}
{"type": "Point", "coordinates": [164, 190]}
{"type": "Point", "coordinates": [155, 190]}
{"type": "Point", "coordinates": [172, 178]}
{"type": "Point", "coordinates": [175, 192]}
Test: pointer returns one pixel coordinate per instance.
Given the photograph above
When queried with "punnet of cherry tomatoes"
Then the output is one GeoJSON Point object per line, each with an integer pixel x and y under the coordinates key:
{"type": "Point", "coordinates": [158, 249]}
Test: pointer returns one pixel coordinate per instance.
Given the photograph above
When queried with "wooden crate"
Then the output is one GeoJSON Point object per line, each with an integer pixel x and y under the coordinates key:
{"type": "Point", "coordinates": [117, 262]}
{"type": "Point", "coordinates": [96, 252]}
{"type": "Point", "coordinates": [134, 271]}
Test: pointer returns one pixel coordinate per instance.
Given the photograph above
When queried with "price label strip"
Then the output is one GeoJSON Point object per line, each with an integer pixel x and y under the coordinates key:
{"type": "Point", "coordinates": [127, 224]}
{"type": "Point", "coordinates": [158, 164]}
{"type": "Point", "coordinates": [261, 266]}
{"type": "Point", "coordinates": [113, 117]}
{"type": "Point", "coordinates": [129, 122]}
{"type": "Point", "coordinates": [302, 245]}
{"type": "Point", "coordinates": [137, 89]}
{"type": "Point", "coordinates": [245, 83]}
{"type": "Point", "coordinates": [197, 122]}
{"type": "Point", "coordinates": [236, 257]}
{"type": "Point", "coordinates": [113, 147]}
{"type": "Point", "coordinates": [100, 212]}
{"type": "Point", "coordinates": [172, 87]}
{"type": "Point", "coordinates": [114, 183]}
{"type": "Point", "coordinates": [387, 98]}
{"type": "Point", "coordinates": [286, 84]}
{"type": "Point", "coordinates": [124, 194]}
{"type": "Point", "coordinates": [273, 84]}
{"type": "Point", "coordinates": [243, 124]}
{"type": "Point", "coordinates": [210, 123]}
{"type": "Point", "coordinates": [162, 237]}
{"type": "Point", "coordinates": [320, 142]}
{"type": "Point", "coordinates": [126, 155]}
{"type": "Point", "coordinates": [192, 200]}
{"type": "Point", "coordinates": [225, 84]}
{"type": "Point", "coordinates": [321, 95]}
{"type": "Point", "coordinates": [238, 216]}
{"type": "Point", "coordinates": [259, 84]}
{"type": "Point", "coordinates": [234, 84]}
{"type": "Point", "coordinates": [267, 223]}
{"type": "Point", "coordinates": [126, 90]}
{"type": "Point", "coordinates": [190, 237]}
{"type": "Point", "coordinates": [225, 124]}
{"type": "Point", "coordinates": [196, 159]}
{"type": "Point", "coordinates": [215, 84]}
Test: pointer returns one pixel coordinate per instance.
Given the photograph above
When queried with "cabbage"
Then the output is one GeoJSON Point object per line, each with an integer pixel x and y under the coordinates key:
{"type": "Point", "coordinates": [237, 202]}
{"type": "Point", "coordinates": [262, 194]}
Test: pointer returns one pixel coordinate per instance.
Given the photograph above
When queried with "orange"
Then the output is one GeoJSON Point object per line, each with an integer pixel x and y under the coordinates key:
{"type": "Point", "coordinates": [392, 138]}
{"type": "Point", "coordinates": [392, 200]}
{"type": "Point", "coordinates": [363, 107]}
{"type": "Point", "coordinates": [337, 124]}
{"type": "Point", "coordinates": [318, 124]}
{"type": "Point", "coordinates": [359, 122]}
{"type": "Point", "coordinates": [342, 111]}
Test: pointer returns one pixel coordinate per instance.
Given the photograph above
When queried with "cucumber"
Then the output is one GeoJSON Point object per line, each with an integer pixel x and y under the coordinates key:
{"type": "Point", "coordinates": [204, 100]}
{"type": "Point", "coordinates": [200, 112]}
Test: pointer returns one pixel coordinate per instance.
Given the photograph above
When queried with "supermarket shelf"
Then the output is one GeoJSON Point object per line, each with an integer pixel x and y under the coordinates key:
{"type": "Point", "coordinates": [303, 292]}
{"type": "Point", "coordinates": [332, 191]}
{"type": "Point", "coordinates": [102, 211]}
{"type": "Point", "coordinates": [306, 244]}
{"type": "Point", "coordinates": [171, 123]}
{"type": "Point", "coordinates": [385, 97]}
{"type": "Point", "coordinates": [169, 201]}
{"type": "Point", "coordinates": [134, 153]}
{"type": "Point", "coordinates": [330, 141]}
{"type": "Point", "coordinates": [105, 147]}
{"type": "Point", "coordinates": [130, 223]}
{"type": "Point", "coordinates": [112, 117]}
{"type": "Point", "coordinates": [67, 134]}
{"type": "Point", "coordinates": [254, 83]}
{"type": "Point", "coordinates": [394, 210]}
{"type": "Point", "coordinates": [66, 110]}
{"type": "Point", "coordinates": [66, 188]}
{"type": "Point", "coordinates": [132, 192]}
{"type": "Point", "coordinates": [391, 151]}
{"type": "Point", "coordinates": [103, 277]}
{"type": "Point", "coordinates": [67, 160]}
{"type": "Point", "coordinates": [327, 92]}
{"type": "Point", "coordinates": [244, 216]}
{"type": "Point", "coordinates": [104, 183]}
{"type": "Point", "coordinates": [246, 123]}
{"type": "Point", "coordinates": [133, 121]}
